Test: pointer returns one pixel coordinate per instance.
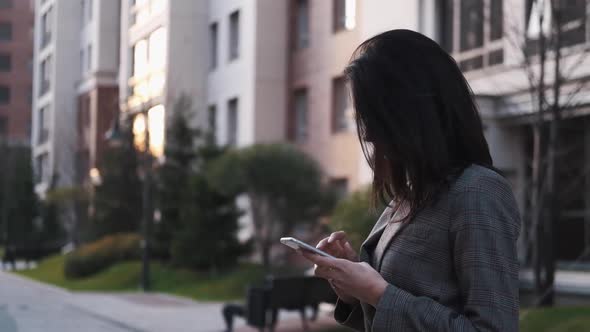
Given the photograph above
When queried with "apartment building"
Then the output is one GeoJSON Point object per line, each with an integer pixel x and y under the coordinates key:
{"type": "Point", "coordinates": [162, 58]}
{"type": "Point", "coordinates": [74, 87]}
{"type": "Point", "coordinates": [16, 57]}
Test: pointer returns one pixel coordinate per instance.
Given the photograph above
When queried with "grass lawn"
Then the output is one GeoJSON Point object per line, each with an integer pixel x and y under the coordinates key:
{"type": "Point", "coordinates": [125, 277]}
{"type": "Point", "coordinates": [560, 319]}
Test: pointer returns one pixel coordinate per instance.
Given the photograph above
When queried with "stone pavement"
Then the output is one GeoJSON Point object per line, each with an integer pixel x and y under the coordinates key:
{"type": "Point", "coordinates": [30, 306]}
{"type": "Point", "coordinates": [323, 323]}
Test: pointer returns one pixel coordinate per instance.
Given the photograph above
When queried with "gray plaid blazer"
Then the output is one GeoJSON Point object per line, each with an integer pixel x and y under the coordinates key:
{"type": "Point", "coordinates": [453, 267]}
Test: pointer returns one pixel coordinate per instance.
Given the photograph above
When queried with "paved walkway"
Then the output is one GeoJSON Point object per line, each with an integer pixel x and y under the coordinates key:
{"type": "Point", "coordinates": [30, 306]}
{"type": "Point", "coordinates": [566, 282]}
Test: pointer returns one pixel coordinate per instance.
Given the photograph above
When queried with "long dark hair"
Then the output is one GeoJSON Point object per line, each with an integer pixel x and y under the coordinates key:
{"type": "Point", "coordinates": [417, 120]}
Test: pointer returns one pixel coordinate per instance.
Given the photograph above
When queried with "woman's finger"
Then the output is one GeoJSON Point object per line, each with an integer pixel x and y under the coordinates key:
{"type": "Point", "coordinates": [322, 261]}
{"type": "Point", "coordinates": [322, 244]}
{"type": "Point", "coordinates": [337, 236]}
{"type": "Point", "coordinates": [350, 252]}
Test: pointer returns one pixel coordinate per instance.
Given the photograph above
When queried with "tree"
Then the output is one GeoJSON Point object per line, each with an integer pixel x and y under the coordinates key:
{"type": "Point", "coordinates": [117, 200]}
{"type": "Point", "coordinates": [355, 216]}
{"type": "Point", "coordinates": [554, 90]}
{"type": "Point", "coordinates": [53, 231]}
{"type": "Point", "coordinates": [207, 234]}
{"type": "Point", "coordinates": [18, 200]}
{"type": "Point", "coordinates": [174, 174]}
{"type": "Point", "coordinates": [283, 186]}
{"type": "Point", "coordinates": [199, 224]}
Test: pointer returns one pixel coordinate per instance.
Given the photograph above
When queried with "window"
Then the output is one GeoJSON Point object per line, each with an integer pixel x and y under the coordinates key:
{"type": "Point", "coordinates": [5, 31]}
{"type": "Point", "coordinates": [3, 127]}
{"type": "Point", "coordinates": [232, 122]}
{"type": "Point", "coordinates": [41, 167]}
{"type": "Point", "coordinates": [341, 111]}
{"type": "Point", "coordinates": [46, 27]}
{"type": "Point", "coordinates": [213, 46]}
{"type": "Point", "coordinates": [43, 132]}
{"type": "Point", "coordinates": [149, 60]}
{"type": "Point", "coordinates": [45, 82]}
{"type": "Point", "coordinates": [4, 94]}
{"type": "Point", "coordinates": [301, 109]}
{"type": "Point", "coordinates": [5, 62]}
{"type": "Point", "coordinates": [472, 22]}
{"type": "Point", "coordinates": [234, 35]}
{"type": "Point", "coordinates": [89, 58]}
{"type": "Point", "coordinates": [496, 19]}
{"type": "Point", "coordinates": [212, 120]}
{"type": "Point", "coordinates": [157, 49]}
{"type": "Point", "coordinates": [472, 32]}
{"type": "Point", "coordinates": [6, 4]}
{"type": "Point", "coordinates": [140, 58]}
{"type": "Point", "coordinates": [157, 61]}
{"type": "Point", "coordinates": [86, 11]}
{"type": "Point", "coordinates": [572, 21]}
{"type": "Point", "coordinates": [302, 24]}
{"type": "Point", "coordinates": [344, 15]}
{"type": "Point", "coordinates": [82, 60]}
{"type": "Point", "coordinates": [142, 10]}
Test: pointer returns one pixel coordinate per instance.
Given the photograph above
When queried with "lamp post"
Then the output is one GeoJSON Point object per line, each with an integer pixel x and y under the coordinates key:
{"type": "Point", "coordinates": [116, 139]}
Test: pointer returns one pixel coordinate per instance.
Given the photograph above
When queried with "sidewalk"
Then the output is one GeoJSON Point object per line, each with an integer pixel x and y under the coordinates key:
{"type": "Point", "coordinates": [323, 323]}
{"type": "Point", "coordinates": [153, 312]}
{"type": "Point", "coordinates": [566, 282]}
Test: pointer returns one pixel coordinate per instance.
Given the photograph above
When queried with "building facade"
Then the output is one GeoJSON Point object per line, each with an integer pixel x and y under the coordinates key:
{"type": "Point", "coordinates": [492, 53]}
{"type": "Point", "coordinates": [323, 36]}
{"type": "Point", "coordinates": [75, 87]}
{"type": "Point", "coordinates": [247, 71]}
{"type": "Point", "coordinates": [16, 57]}
{"type": "Point", "coordinates": [162, 59]}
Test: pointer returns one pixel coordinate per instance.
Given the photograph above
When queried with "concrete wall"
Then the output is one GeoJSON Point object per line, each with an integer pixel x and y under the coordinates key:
{"type": "Point", "coordinates": [187, 46]}
{"type": "Point", "coordinates": [61, 98]}
{"type": "Point", "coordinates": [236, 78]}
{"type": "Point", "coordinates": [65, 78]}
{"type": "Point", "coordinates": [314, 68]}
{"type": "Point", "coordinates": [270, 71]}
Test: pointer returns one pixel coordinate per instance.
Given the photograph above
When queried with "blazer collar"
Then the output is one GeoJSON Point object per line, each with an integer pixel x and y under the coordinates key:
{"type": "Point", "coordinates": [389, 214]}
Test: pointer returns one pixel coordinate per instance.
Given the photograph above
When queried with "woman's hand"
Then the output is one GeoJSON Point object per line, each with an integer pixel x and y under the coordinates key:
{"type": "Point", "coordinates": [357, 280]}
{"type": "Point", "coordinates": [338, 246]}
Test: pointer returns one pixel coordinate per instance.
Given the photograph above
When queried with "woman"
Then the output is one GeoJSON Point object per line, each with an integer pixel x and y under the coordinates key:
{"type": "Point", "coordinates": [442, 256]}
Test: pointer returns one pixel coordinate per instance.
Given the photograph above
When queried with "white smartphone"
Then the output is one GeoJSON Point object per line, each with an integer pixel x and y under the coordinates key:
{"type": "Point", "coordinates": [295, 244]}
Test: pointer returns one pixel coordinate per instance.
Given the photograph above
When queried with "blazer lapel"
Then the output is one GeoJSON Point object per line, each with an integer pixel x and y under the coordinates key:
{"type": "Point", "coordinates": [376, 232]}
{"type": "Point", "coordinates": [387, 237]}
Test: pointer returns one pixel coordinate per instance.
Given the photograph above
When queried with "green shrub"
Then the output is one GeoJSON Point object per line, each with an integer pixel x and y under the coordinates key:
{"type": "Point", "coordinates": [96, 256]}
{"type": "Point", "coordinates": [355, 216]}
